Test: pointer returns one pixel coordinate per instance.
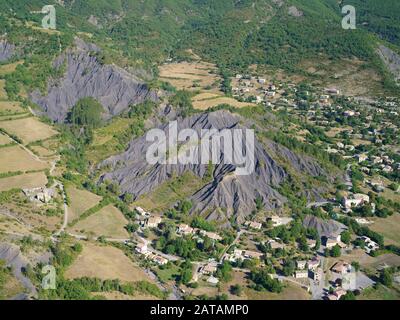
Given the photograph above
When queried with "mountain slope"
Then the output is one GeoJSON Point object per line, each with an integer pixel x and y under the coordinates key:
{"type": "Point", "coordinates": [227, 194]}
{"type": "Point", "coordinates": [86, 76]}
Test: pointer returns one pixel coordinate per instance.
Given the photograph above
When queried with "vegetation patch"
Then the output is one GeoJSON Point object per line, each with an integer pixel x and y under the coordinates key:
{"type": "Point", "coordinates": [170, 192]}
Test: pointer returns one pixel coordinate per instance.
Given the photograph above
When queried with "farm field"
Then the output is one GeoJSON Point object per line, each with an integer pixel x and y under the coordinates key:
{"type": "Point", "coordinates": [366, 260]}
{"type": "Point", "coordinates": [14, 158]}
{"type": "Point", "coordinates": [3, 93]}
{"type": "Point", "coordinates": [41, 151]}
{"type": "Point", "coordinates": [191, 76]}
{"type": "Point", "coordinates": [389, 227]}
{"type": "Point", "coordinates": [10, 108]}
{"type": "Point", "coordinates": [28, 129]}
{"type": "Point", "coordinates": [290, 292]}
{"type": "Point", "coordinates": [4, 140]}
{"type": "Point", "coordinates": [106, 263]}
{"type": "Point", "coordinates": [108, 222]}
{"type": "Point", "coordinates": [114, 295]}
{"type": "Point", "coordinates": [81, 200]}
{"type": "Point", "coordinates": [207, 103]}
{"type": "Point", "coordinates": [29, 180]}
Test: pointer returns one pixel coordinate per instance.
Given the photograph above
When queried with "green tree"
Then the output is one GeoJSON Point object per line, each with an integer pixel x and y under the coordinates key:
{"type": "Point", "coordinates": [86, 112]}
{"type": "Point", "coordinates": [386, 277]}
{"type": "Point", "coordinates": [345, 237]}
{"type": "Point", "coordinates": [224, 272]}
{"type": "Point", "coordinates": [348, 296]}
{"type": "Point", "coordinates": [236, 290]}
{"type": "Point", "coordinates": [336, 251]}
{"type": "Point", "coordinates": [289, 267]}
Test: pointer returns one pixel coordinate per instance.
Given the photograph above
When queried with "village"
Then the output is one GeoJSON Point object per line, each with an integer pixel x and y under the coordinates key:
{"type": "Point", "coordinates": [371, 165]}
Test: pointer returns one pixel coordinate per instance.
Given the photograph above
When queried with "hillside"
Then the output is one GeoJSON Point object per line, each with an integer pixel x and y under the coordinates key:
{"type": "Point", "coordinates": [234, 34]}
{"type": "Point", "coordinates": [128, 168]}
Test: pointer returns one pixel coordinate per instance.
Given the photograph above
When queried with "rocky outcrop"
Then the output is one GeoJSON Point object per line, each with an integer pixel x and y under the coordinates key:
{"type": "Point", "coordinates": [86, 76]}
{"type": "Point", "coordinates": [392, 61]}
{"type": "Point", "coordinates": [7, 50]}
{"type": "Point", "coordinates": [326, 228]}
{"type": "Point", "coordinates": [228, 193]}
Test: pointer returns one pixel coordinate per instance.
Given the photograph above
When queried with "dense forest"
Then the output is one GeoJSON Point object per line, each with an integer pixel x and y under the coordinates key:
{"type": "Point", "coordinates": [235, 34]}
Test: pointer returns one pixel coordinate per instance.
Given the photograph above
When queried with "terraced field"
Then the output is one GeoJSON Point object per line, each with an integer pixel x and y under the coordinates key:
{"type": "Point", "coordinates": [28, 129]}
{"type": "Point", "coordinates": [80, 201]}
{"type": "Point", "coordinates": [108, 222]}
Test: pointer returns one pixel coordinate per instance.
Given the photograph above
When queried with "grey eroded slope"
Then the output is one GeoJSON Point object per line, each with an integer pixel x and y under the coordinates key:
{"type": "Point", "coordinates": [6, 50]}
{"type": "Point", "coordinates": [227, 194]}
{"type": "Point", "coordinates": [85, 76]}
{"type": "Point", "coordinates": [325, 228]}
{"type": "Point", "coordinates": [391, 60]}
{"type": "Point", "coordinates": [13, 257]}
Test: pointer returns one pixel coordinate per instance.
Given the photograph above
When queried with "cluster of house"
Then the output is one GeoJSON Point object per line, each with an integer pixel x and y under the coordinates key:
{"type": "Point", "coordinates": [41, 194]}
{"type": "Point", "coordinates": [275, 220]}
{"type": "Point", "coordinates": [382, 162]}
{"type": "Point", "coordinates": [370, 245]}
{"type": "Point", "coordinates": [143, 249]}
{"type": "Point", "coordinates": [309, 269]}
{"type": "Point", "coordinates": [333, 241]}
{"type": "Point", "coordinates": [149, 220]}
{"type": "Point", "coordinates": [343, 282]}
{"type": "Point", "coordinates": [354, 201]}
{"type": "Point", "coordinates": [184, 229]}
{"type": "Point", "coordinates": [252, 85]}
{"type": "Point", "coordinates": [209, 270]}
{"type": "Point", "coordinates": [240, 255]}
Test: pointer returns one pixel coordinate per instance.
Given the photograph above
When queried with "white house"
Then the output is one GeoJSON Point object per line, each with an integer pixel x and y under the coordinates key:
{"type": "Point", "coordinates": [370, 245]}
{"type": "Point", "coordinates": [211, 235]}
{"type": "Point", "coordinates": [185, 229]}
{"type": "Point", "coordinates": [153, 221]}
{"type": "Point", "coordinates": [280, 221]}
{"type": "Point", "coordinates": [141, 211]}
{"type": "Point", "coordinates": [301, 274]}
{"type": "Point", "coordinates": [356, 200]}
{"type": "Point", "coordinates": [141, 248]}
{"type": "Point", "coordinates": [254, 225]}
{"type": "Point", "coordinates": [301, 264]}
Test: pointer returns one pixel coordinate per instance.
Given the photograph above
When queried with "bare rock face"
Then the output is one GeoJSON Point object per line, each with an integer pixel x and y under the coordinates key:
{"type": "Point", "coordinates": [7, 50]}
{"type": "Point", "coordinates": [391, 60]}
{"type": "Point", "coordinates": [325, 228]}
{"type": "Point", "coordinates": [228, 193]}
{"type": "Point", "coordinates": [86, 76]}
